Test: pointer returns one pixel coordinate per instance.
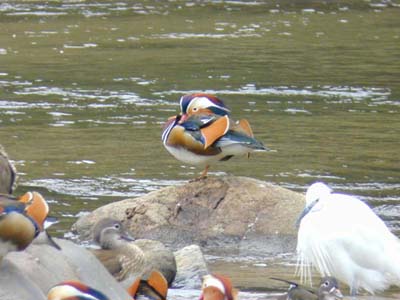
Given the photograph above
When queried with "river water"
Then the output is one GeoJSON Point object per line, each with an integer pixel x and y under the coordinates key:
{"type": "Point", "coordinates": [85, 87]}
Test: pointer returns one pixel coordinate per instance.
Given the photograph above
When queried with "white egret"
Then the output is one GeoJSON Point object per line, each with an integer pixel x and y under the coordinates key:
{"type": "Point", "coordinates": [341, 236]}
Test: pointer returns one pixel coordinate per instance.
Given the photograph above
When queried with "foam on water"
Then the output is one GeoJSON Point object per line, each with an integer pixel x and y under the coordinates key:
{"type": "Point", "coordinates": [76, 94]}
{"type": "Point", "coordinates": [180, 35]}
{"type": "Point", "coordinates": [355, 93]}
{"type": "Point", "coordinates": [110, 186]}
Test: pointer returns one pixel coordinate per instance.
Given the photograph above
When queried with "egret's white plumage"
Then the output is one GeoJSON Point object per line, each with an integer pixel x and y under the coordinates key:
{"type": "Point", "coordinates": [341, 236]}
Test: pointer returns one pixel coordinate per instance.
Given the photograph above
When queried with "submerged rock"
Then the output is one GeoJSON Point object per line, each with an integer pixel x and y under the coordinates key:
{"type": "Point", "coordinates": [214, 212]}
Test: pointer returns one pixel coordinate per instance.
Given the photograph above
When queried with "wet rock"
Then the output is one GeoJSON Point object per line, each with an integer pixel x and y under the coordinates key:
{"type": "Point", "coordinates": [7, 173]}
{"type": "Point", "coordinates": [191, 267]}
{"type": "Point", "coordinates": [41, 266]}
{"type": "Point", "coordinates": [214, 212]}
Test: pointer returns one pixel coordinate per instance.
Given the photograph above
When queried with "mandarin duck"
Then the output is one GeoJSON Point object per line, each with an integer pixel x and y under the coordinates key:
{"type": "Point", "coordinates": [21, 220]}
{"type": "Point", "coordinates": [328, 290]}
{"type": "Point", "coordinates": [122, 258]}
{"type": "Point", "coordinates": [217, 287]}
{"type": "Point", "coordinates": [74, 290]}
{"type": "Point", "coordinates": [155, 287]}
{"type": "Point", "coordinates": [204, 133]}
{"type": "Point", "coordinates": [8, 173]}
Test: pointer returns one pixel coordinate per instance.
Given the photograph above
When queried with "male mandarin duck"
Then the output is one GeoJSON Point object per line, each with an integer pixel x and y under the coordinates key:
{"type": "Point", "coordinates": [217, 287]}
{"type": "Point", "coordinates": [204, 133]}
{"type": "Point", "coordinates": [74, 290]}
{"type": "Point", "coordinates": [155, 287]}
{"type": "Point", "coordinates": [21, 220]}
{"type": "Point", "coordinates": [328, 290]}
{"type": "Point", "coordinates": [7, 173]}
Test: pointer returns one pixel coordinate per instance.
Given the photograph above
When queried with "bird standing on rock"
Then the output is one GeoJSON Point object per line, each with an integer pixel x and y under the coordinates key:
{"type": "Point", "coordinates": [328, 290]}
{"type": "Point", "coordinates": [204, 133]}
{"type": "Point", "coordinates": [341, 236]}
{"type": "Point", "coordinates": [21, 220]}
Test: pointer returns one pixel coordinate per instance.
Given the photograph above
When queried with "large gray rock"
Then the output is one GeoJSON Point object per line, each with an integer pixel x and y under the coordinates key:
{"type": "Point", "coordinates": [15, 285]}
{"type": "Point", "coordinates": [34, 271]}
{"type": "Point", "coordinates": [217, 211]}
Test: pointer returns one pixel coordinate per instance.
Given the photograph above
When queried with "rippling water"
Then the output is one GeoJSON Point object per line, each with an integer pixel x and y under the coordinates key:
{"type": "Point", "coordinates": [85, 87]}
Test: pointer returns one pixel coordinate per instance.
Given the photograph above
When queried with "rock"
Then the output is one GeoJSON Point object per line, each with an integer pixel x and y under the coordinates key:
{"type": "Point", "coordinates": [214, 212]}
{"type": "Point", "coordinates": [14, 284]}
{"type": "Point", "coordinates": [160, 257]}
{"type": "Point", "coordinates": [7, 173]}
{"type": "Point", "coordinates": [39, 267]}
{"type": "Point", "coordinates": [191, 267]}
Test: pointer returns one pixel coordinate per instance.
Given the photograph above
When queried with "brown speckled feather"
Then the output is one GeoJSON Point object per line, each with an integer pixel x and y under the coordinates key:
{"type": "Point", "coordinates": [123, 262]}
{"type": "Point", "coordinates": [109, 260]}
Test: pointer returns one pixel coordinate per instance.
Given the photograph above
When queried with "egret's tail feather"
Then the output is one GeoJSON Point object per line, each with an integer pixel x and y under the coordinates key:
{"type": "Point", "coordinates": [303, 269]}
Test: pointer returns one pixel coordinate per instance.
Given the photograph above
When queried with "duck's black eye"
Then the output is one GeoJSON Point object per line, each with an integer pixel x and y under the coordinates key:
{"type": "Point", "coordinates": [117, 226]}
{"type": "Point", "coordinates": [195, 108]}
{"type": "Point", "coordinates": [326, 283]}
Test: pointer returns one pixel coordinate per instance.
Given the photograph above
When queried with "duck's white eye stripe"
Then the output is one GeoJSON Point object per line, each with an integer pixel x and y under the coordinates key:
{"type": "Point", "coordinates": [202, 102]}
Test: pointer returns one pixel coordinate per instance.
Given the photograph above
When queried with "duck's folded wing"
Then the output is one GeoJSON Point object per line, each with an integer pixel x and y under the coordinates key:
{"type": "Point", "coordinates": [9, 204]}
{"type": "Point", "coordinates": [238, 138]}
{"type": "Point", "coordinates": [109, 260]}
{"type": "Point", "coordinates": [244, 126]}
